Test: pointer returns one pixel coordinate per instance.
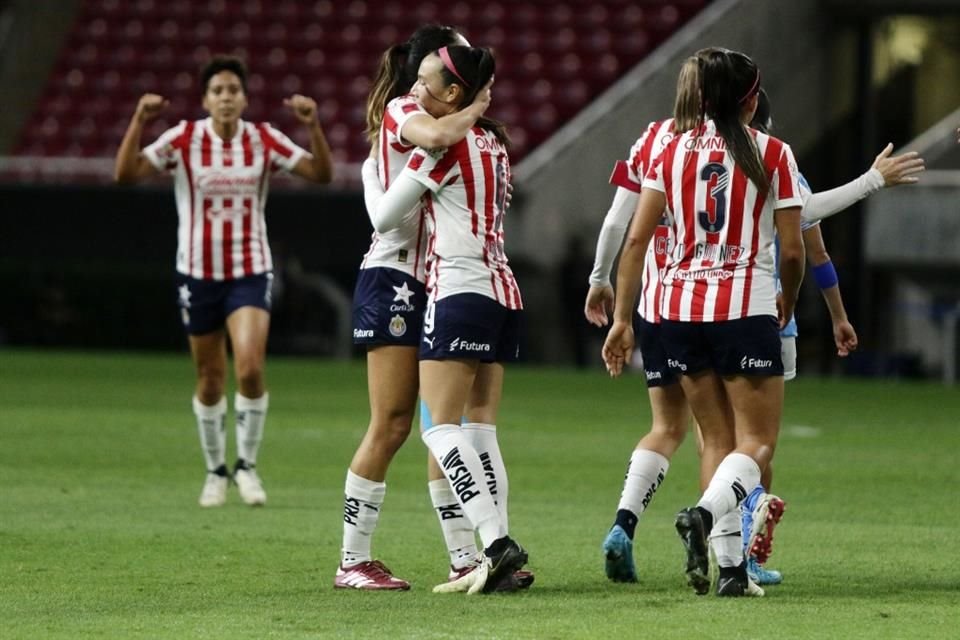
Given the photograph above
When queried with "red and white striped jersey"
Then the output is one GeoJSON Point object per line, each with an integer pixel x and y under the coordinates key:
{"type": "Point", "coordinates": [403, 248]}
{"type": "Point", "coordinates": [721, 266]}
{"type": "Point", "coordinates": [465, 205]}
{"type": "Point", "coordinates": [221, 192]}
{"type": "Point", "coordinates": [629, 175]}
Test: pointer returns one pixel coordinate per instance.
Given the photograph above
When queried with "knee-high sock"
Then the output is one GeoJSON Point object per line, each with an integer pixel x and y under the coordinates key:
{"type": "Point", "coordinates": [725, 540]}
{"type": "Point", "coordinates": [362, 500]}
{"type": "Point", "coordinates": [456, 527]}
{"type": "Point", "coordinates": [734, 479]}
{"type": "Point", "coordinates": [483, 437]}
{"type": "Point", "coordinates": [213, 434]}
{"type": "Point", "coordinates": [462, 466]}
{"type": "Point", "coordinates": [646, 471]}
{"type": "Point", "coordinates": [251, 414]}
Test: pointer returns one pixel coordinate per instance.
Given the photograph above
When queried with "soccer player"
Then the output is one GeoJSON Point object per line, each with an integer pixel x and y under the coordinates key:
{"type": "Point", "coordinates": [725, 190]}
{"type": "Point", "coordinates": [760, 510]}
{"type": "Point", "coordinates": [472, 323]}
{"type": "Point", "coordinates": [388, 305]}
{"type": "Point", "coordinates": [221, 167]}
{"type": "Point", "coordinates": [671, 416]}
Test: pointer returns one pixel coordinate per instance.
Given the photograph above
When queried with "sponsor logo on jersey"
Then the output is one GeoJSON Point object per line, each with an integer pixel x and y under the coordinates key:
{"type": "Point", "coordinates": [676, 364]}
{"type": "Point", "coordinates": [429, 341]}
{"type": "Point", "coordinates": [710, 143]}
{"type": "Point", "coordinates": [363, 333]}
{"type": "Point", "coordinates": [704, 274]}
{"type": "Point", "coordinates": [228, 186]}
{"type": "Point", "coordinates": [754, 363]}
{"type": "Point", "coordinates": [653, 375]}
{"type": "Point", "coordinates": [398, 326]}
{"type": "Point", "coordinates": [463, 345]}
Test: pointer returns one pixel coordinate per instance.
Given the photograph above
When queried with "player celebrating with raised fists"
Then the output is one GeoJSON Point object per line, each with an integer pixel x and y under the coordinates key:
{"type": "Point", "coordinates": [221, 167]}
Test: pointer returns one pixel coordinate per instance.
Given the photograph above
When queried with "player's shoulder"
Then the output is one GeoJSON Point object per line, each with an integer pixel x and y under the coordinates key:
{"type": "Point", "coordinates": [404, 104]}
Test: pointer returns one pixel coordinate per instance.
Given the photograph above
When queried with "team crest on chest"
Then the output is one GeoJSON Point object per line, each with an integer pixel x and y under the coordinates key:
{"type": "Point", "coordinates": [398, 326]}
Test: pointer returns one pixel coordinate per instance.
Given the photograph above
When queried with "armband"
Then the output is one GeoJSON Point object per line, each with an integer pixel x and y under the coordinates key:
{"type": "Point", "coordinates": [825, 275]}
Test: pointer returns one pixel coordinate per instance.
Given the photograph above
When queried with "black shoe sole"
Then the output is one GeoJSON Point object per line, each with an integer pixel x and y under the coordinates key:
{"type": "Point", "coordinates": [690, 528]}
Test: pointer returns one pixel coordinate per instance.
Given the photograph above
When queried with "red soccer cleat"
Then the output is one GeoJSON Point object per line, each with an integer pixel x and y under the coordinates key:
{"type": "Point", "coordinates": [372, 575]}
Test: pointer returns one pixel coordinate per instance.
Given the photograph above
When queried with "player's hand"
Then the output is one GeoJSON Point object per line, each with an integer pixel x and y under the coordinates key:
{"type": "Point", "coordinates": [902, 169]}
{"type": "Point", "coordinates": [845, 337]}
{"type": "Point", "coordinates": [509, 197]}
{"type": "Point", "coordinates": [618, 348]}
{"type": "Point", "coordinates": [784, 310]}
{"type": "Point", "coordinates": [304, 108]}
{"type": "Point", "coordinates": [599, 303]}
{"type": "Point", "coordinates": [149, 106]}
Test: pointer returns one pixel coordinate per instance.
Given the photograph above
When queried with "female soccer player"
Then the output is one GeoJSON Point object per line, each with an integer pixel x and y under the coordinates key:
{"type": "Point", "coordinates": [388, 306]}
{"type": "Point", "coordinates": [725, 190]}
{"type": "Point", "coordinates": [671, 415]}
{"type": "Point", "coordinates": [221, 168]}
{"type": "Point", "coordinates": [472, 323]}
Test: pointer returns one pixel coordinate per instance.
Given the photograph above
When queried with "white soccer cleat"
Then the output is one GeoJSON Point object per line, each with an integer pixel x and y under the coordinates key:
{"type": "Point", "coordinates": [753, 590]}
{"type": "Point", "coordinates": [469, 579]}
{"type": "Point", "coordinates": [249, 485]}
{"type": "Point", "coordinates": [214, 492]}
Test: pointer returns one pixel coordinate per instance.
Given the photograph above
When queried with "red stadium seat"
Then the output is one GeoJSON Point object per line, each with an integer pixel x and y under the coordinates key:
{"type": "Point", "coordinates": [552, 59]}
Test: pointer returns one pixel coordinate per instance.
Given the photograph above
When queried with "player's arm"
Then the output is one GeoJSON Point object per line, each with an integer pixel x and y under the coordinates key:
{"type": "Point", "coordinates": [600, 296]}
{"type": "Point", "coordinates": [618, 347]}
{"type": "Point", "coordinates": [318, 165]}
{"type": "Point", "coordinates": [423, 130]}
{"type": "Point", "coordinates": [787, 221]}
{"type": "Point", "coordinates": [844, 335]}
{"type": "Point", "coordinates": [387, 209]}
{"type": "Point", "coordinates": [131, 165]}
{"type": "Point", "coordinates": [886, 171]}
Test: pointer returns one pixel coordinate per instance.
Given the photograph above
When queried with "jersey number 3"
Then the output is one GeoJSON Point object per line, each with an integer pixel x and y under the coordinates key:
{"type": "Point", "coordinates": [717, 179]}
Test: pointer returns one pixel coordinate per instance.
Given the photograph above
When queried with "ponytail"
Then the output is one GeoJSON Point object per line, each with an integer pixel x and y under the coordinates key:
{"type": "Point", "coordinates": [728, 79]}
{"type": "Point", "coordinates": [386, 86]}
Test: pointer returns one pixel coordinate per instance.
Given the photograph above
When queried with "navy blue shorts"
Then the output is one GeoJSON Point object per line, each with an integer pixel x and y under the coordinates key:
{"type": "Point", "coordinates": [651, 349]}
{"type": "Point", "coordinates": [746, 346]}
{"type": "Point", "coordinates": [206, 304]}
{"type": "Point", "coordinates": [388, 308]}
{"type": "Point", "coordinates": [469, 326]}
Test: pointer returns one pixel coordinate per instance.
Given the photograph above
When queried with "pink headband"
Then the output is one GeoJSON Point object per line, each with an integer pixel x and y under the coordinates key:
{"type": "Point", "coordinates": [753, 89]}
{"type": "Point", "coordinates": [448, 63]}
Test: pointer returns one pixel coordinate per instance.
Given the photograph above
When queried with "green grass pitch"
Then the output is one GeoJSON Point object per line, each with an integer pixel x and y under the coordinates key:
{"type": "Point", "coordinates": [101, 536]}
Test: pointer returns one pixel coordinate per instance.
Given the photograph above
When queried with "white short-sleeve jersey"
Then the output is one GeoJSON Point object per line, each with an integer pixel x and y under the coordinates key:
{"type": "Point", "coordinates": [465, 205]}
{"type": "Point", "coordinates": [629, 175]}
{"type": "Point", "coordinates": [721, 266]}
{"type": "Point", "coordinates": [221, 193]}
{"type": "Point", "coordinates": [404, 248]}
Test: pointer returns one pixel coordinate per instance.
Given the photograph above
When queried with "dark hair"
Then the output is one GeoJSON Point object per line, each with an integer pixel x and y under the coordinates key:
{"type": "Point", "coordinates": [220, 63]}
{"type": "Point", "coordinates": [398, 70]}
{"type": "Point", "coordinates": [686, 107]}
{"type": "Point", "coordinates": [727, 80]}
{"type": "Point", "coordinates": [763, 118]}
{"type": "Point", "coordinates": [474, 68]}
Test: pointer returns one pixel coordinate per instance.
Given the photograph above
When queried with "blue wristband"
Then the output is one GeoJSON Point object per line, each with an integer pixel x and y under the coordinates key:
{"type": "Point", "coordinates": [825, 275]}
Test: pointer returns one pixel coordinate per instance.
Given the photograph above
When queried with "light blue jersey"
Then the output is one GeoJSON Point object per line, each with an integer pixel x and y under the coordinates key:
{"type": "Point", "coordinates": [790, 331]}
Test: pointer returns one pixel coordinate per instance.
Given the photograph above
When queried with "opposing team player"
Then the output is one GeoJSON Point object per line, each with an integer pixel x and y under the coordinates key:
{"type": "Point", "coordinates": [388, 306]}
{"type": "Point", "coordinates": [221, 167]}
{"type": "Point", "coordinates": [472, 323]}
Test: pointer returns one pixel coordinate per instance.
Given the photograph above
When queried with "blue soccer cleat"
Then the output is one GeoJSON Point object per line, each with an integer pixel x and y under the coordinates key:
{"type": "Point", "coordinates": [761, 575]}
{"type": "Point", "coordinates": [618, 551]}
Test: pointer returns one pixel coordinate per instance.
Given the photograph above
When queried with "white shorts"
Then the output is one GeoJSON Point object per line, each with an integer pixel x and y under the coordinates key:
{"type": "Point", "coordinates": [788, 353]}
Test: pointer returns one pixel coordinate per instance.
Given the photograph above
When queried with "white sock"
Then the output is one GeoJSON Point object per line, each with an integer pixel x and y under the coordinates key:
{"type": "Point", "coordinates": [362, 500]}
{"type": "Point", "coordinates": [646, 471]}
{"type": "Point", "coordinates": [483, 437]}
{"type": "Point", "coordinates": [733, 481]}
{"type": "Point", "coordinates": [462, 466]}
{"type": "Point", "coordinates": [251, 414]}
{"type": "Point", "coordinates": [456, 527]}
{"type": "Point", "coordinates": [213, 433]}
{"type": "Point", "coordinates": [725, 540]}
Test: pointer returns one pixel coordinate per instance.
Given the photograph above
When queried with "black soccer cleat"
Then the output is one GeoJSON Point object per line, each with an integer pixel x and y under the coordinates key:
{"type": "Point", "coordinates": [506, 557]}
{"type": "Point", "coordinates": [693, 534]}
